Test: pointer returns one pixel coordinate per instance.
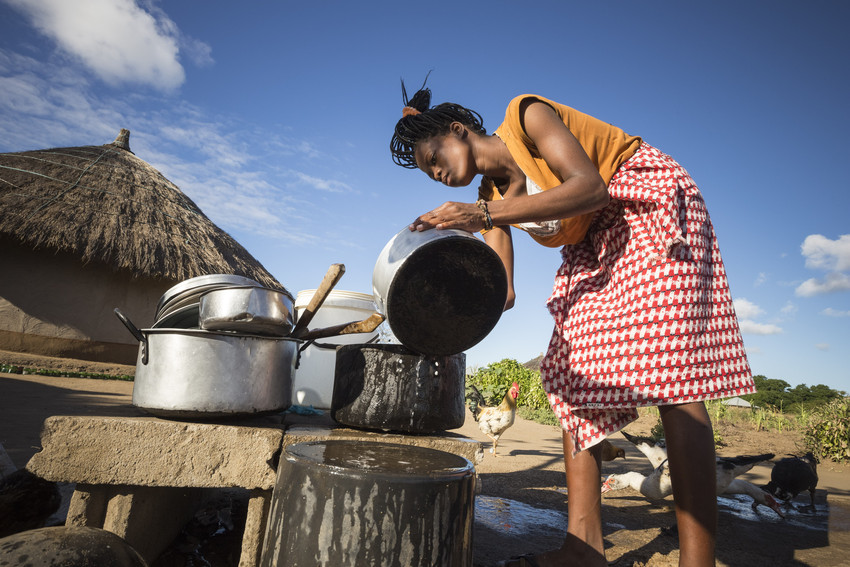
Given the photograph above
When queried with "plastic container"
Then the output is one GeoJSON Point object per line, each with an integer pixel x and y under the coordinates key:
{"type": "Point", "coordinates": [313, 384]}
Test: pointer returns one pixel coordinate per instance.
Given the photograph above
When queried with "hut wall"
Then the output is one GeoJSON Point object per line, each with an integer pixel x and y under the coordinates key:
{"type": "Point", "coordinates": [53, 305]}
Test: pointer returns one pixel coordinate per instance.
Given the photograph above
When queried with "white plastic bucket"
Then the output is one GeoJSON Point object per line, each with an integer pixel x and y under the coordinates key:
{"type": "Point", "coordinates": [313, 384]}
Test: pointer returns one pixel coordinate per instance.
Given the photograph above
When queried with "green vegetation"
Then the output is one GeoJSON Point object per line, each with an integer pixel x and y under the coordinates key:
{"type": "Point", "coordinates": [779, 394]}
{"type": "Point", "coordinates": [15, 369]}
{"type": "Point", "coordinates": [819, 413]}
{"type": "Point", "coordinates": [828, 431]}
{"type": "Point", "coordinates": [495, 380]}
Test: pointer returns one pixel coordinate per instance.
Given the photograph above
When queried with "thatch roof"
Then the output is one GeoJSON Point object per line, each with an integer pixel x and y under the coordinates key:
{"type": "Point", "coordinates": [105, 205]}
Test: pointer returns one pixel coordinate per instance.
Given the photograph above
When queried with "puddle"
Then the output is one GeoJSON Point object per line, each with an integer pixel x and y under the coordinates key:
{"type": "Point", "coordinates": [800, 516]}
{"type": "Point", "coordinates": [520, 519]}
{"type": "Point", "coordinates": [501, 514]}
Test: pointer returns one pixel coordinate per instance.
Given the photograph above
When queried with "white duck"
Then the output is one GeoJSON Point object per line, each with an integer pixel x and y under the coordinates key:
{"type": "Point", "coordinates": [759, 496]}
{"type": "Point", "coordinates": [657, 485]}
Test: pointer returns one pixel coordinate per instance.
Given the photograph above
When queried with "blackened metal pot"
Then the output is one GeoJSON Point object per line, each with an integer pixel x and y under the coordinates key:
{"type": "Point", "coordinates": [391, 388]}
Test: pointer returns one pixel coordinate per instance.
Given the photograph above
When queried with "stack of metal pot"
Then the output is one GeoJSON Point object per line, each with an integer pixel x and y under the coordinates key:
{"type": "Point", "coordinates": [219, 347]}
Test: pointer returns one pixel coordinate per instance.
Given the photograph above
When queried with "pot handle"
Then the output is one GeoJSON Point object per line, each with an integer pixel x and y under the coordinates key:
{"type": "Point", "coordinates": [365, 326]}
{"type": "Point", "coordinates": [330, 280]}
{"type": "Point", "coordinates": [134, 330]}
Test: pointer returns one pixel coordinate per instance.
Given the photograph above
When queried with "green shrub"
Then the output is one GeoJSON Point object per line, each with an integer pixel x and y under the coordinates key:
{"type": "Point", "coordinates": [493, 382]}
{"type": "Point", "coordinates": [828, 431]}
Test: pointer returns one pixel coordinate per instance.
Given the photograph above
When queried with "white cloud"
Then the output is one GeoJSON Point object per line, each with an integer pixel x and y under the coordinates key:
{"type": "Point", "coordinates": [825, 254]}
{"type": "Point", "coordinates": [788, 309]}
{"type": "Point", "coordinates": [753, 328]}
{"type": "Point", "coordinates": [822, 346]}
{"type": "Point", "coordinates": [760, 279]}
{"type": "Point", "coordinates": [329, 185]}
{"type": "Point", "coordinates": [830, 312]}
{"type": "Point", "coordinates": [118, 40]}
{"type": "Point", "coordinates": [746, 309]}
{"type": "Point", "coordinates": [831, 256]}
{"type": "Point", "coordinates": [831, 283]}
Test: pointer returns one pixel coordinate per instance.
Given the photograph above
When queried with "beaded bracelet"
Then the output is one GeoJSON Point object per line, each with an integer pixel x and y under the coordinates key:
{"type": "Point", "coordinates": [488, 220]}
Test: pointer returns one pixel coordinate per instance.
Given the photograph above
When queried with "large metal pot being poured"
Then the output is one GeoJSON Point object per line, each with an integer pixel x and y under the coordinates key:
{"type": "Point", "coordinates": [442, 291]}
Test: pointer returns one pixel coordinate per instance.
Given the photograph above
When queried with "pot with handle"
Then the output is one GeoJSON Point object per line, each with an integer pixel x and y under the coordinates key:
{"type": "Point", "coordinates": [195, 373]}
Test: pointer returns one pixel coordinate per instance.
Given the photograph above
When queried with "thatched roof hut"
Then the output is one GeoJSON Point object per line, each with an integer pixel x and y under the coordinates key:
{"type": "Point", "coordinates": [87, 229]}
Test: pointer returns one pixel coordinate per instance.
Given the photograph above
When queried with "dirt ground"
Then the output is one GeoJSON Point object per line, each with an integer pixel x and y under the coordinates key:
{"type": "Point", "coordinates": [521, 507]}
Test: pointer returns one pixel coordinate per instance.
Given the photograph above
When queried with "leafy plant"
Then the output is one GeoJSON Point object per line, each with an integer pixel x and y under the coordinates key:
{"type": "Point", "coordinates": [493, 382]}
{"type": "Point", "coordinates": [828, 431]}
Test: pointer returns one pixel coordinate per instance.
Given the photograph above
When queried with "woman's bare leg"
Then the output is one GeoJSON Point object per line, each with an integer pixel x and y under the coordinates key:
{"type": "Point", "coordinates": [583, 544]}
{"type": "Point", "coordinates": [690, 452]}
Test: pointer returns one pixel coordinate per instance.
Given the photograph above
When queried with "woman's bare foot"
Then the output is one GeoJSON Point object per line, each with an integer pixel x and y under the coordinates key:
{"type": "Point", "coordinates": [573, 552]}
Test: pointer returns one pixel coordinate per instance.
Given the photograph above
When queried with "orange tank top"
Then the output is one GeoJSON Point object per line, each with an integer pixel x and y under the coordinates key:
{"type": "Point", "coordinates": [606, 145]}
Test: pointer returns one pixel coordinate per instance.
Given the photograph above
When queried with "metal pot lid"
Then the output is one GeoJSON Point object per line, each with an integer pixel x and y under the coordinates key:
{"type": "Point", "coordinates": [189, 297]}
{"type": "Point", "coordinates": [199, 284]}
{"type": "Point", "coordinates": [186, 317]}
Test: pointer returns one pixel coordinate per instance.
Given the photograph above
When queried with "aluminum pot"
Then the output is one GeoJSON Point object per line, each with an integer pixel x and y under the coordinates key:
{"type": "Point", "coordinates": [247, 309]}
{"type": "Point", "coordinates": [391, 388]}
{"type": "Point", "coordinates": [194, 373]}
{"type": "Point", "coordinates": [442, 291]}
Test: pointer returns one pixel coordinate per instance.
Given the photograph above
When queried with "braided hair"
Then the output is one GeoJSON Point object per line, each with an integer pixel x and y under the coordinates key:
{"type": "Point", "coordinates": [420, 123]}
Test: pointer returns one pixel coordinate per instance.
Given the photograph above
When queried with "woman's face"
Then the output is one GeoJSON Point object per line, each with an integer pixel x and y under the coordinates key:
{"type": "Point", "coordinates": [447, 158]}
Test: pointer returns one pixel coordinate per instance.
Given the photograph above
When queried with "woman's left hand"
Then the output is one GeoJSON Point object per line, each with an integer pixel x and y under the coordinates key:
{"type": "Point", "coordinates": [463, 216]}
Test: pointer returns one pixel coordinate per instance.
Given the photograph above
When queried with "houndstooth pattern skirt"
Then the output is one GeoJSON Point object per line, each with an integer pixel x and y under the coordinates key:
{"type": "Point", "coordinates": [642, 308]}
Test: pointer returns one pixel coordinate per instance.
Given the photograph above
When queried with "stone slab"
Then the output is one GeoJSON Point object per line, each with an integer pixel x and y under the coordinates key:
{"type": "Point", "coordinates": [155, 452]}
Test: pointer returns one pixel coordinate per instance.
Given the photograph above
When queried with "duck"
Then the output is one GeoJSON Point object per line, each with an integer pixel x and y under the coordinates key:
{"type": "Point", "coordinates": [611, 451]}
{"type": "Point", "coordinates": [655, 486]}
{"type": "Point", "coordinates": [792, 475]}
{"type": "Point", "coordinates": [729, 468]}
{"type": "Point", "coordinates": [759, 496]}
{"type": "Point", "coordinates": [653, 449]}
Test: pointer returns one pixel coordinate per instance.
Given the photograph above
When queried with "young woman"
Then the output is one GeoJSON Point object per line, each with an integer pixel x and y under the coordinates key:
{"type": "Point", "coordinates": [642, 308]}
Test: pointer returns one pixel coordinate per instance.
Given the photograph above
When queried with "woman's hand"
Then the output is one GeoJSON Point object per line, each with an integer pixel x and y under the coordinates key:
{"type": "Point", "coordinates": [463, 216]}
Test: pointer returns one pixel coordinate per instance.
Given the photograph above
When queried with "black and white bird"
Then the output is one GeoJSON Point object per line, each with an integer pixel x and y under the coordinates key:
{"type": "Point", "coordinates": [759, 496]}
{"type": "Point", "coordinates": [653, 449]}
{"type": "Point", "coordinates": [657, 485]}
{"type": "Point", "coordinates": [729, 468]}
{"type": "Point", "coordinates": [792, 475]}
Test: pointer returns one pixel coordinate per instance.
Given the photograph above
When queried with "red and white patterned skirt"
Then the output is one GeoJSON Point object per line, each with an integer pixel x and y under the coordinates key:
{"type": "Point", "coordinates": [642, 308]}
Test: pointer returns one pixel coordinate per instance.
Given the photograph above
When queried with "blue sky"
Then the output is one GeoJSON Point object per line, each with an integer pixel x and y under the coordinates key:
{"type": "Point", "coordinates": [275, 117]}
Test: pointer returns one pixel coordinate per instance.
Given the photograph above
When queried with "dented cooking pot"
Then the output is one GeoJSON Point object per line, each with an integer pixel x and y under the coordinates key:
{"type": "Point", "coordinates": [247, 309]}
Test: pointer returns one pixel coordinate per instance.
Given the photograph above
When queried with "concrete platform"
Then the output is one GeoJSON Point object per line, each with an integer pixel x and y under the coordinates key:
{"type": "Point", "coordinates": [143, 477]}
